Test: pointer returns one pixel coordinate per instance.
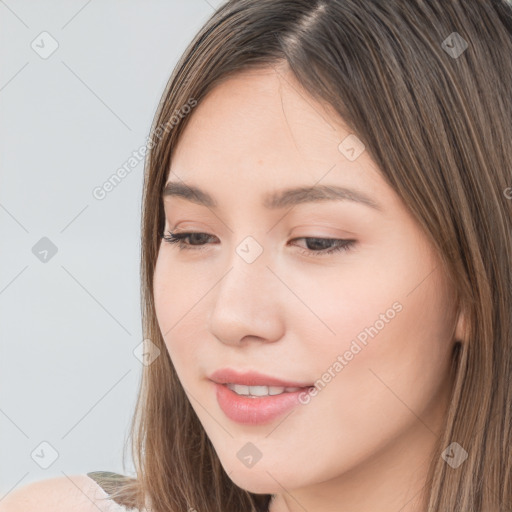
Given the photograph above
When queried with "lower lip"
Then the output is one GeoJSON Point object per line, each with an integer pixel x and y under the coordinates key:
{"type": "Point", "coordinates": [255, 411]}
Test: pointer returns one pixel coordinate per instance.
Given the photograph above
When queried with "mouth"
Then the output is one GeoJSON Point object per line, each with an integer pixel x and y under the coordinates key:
{"type": "Point", "coordinates": [259, 391]}
{"type": "Point", "coordinates": [257, 409]}
{"type": "Point", "coordinates": [253, 379]}
{"type": "Point", "coordinates": [252, 398]}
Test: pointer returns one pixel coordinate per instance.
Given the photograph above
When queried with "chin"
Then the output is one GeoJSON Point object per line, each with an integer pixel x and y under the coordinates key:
{"type": "Point", "coordinates": [261, 483]}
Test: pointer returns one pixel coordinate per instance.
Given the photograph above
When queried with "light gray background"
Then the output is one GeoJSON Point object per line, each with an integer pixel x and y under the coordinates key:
{"type": "Point", "coordinates": [69, 326]}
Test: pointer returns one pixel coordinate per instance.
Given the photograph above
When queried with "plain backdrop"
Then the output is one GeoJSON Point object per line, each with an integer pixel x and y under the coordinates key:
{"type": "Point", "coordinates": [80, 81]}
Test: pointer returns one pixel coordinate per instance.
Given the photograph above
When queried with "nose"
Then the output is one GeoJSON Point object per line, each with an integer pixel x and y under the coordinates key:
{"type": "Point", "coordinates": [248, 304]}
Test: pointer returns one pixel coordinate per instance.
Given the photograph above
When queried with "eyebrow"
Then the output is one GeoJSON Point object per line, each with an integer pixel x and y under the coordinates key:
{"type": "Point", "coordinates": [276, 200]}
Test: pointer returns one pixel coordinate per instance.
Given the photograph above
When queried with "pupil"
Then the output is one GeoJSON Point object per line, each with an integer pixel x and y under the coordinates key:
{"type": "Point", "coordinates": [191, 238]}
{"type": "Point", "coordinates": [319, 242]}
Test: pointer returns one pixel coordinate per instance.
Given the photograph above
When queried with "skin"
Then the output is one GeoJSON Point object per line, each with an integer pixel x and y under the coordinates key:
{"type": "Point", "coordinates": [362, 443]}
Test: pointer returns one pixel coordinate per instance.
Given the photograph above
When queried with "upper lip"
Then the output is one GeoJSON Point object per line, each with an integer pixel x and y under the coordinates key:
{"type": "Point", "coordinates": [252, 378]}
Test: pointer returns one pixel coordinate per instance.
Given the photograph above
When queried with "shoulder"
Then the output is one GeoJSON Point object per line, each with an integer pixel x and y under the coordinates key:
{"type": "Point", "coordinates": [80, 493]}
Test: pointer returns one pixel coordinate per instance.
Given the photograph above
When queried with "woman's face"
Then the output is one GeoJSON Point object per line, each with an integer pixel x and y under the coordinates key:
{"type": "Point", "coordinates": [371, 324]}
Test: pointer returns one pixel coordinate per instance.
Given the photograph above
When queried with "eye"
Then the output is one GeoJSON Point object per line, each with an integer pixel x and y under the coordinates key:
{"type": "Point", "coordinates": [178, 239]}
{"type": "Point", "coordinates": [336, 244]}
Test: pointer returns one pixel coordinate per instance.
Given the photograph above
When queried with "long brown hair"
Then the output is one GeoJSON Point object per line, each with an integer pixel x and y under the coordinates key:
{"type": "Point", "coordinates": [426, 85]}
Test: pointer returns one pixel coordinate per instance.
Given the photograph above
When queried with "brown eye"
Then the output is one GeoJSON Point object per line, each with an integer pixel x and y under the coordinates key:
{"type": "Point", "coordinates": [178, 238]}
{"type": "Point", "coordinates": [315, 246]}
{"type": "Point", "coordinates": [318, 247]}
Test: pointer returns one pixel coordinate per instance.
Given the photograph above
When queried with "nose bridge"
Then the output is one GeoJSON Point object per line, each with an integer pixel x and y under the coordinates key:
{"type": "Point", "coordinates": [247, 298]}
{"type": "Point", "coordinates": [248, 276]}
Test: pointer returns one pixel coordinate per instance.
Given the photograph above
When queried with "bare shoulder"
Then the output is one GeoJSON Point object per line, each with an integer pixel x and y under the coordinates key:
{"type": "Point", "coordinates": [59, 494]}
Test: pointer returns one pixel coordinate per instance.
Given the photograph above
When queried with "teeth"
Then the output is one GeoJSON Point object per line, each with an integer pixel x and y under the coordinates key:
{"type": "Point", "coordinates": [240, 389]}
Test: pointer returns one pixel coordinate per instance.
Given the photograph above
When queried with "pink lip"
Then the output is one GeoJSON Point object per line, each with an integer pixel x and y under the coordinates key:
{"type": "Point", "coordinates": [256, 410]}
{"type": "Point", "coordinates": [252, 378]}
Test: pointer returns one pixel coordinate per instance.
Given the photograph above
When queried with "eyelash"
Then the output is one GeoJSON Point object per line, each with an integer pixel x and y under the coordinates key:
{"type": "Point", "coordinates": [343, 245]}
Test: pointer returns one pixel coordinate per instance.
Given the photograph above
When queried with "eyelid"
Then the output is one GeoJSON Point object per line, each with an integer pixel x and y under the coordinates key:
{"type": "Point", "coordinates": [312, 231]}
{"type": "Point", "coordinates": [189, 226]}
{"type": "Point", "coordinates": [332, 231]}
{"type": "Point", "coordinates": [342, 245]}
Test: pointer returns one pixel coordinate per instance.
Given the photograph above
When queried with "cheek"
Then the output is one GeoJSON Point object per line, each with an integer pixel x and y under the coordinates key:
{"type": "Point", "coordinates": [176, 290]}
{"type": "Point", "coordinates": [390, 355]}
{"type": "Point", "coordinates": [181, 307]}
{"type": "Point", "coordinates": [165, 285]}
{"type": "Point", "coordinates": [179, 299]}
{"type": "Point", "coordinates": [385, 331]}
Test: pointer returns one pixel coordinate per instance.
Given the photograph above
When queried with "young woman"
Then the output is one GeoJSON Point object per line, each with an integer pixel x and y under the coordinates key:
{"type": "Point", "coordinates": [326, 247]}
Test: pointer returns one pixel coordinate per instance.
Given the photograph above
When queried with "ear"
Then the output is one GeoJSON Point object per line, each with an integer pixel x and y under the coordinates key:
{"type": "Point", "coordinates": [460, 328]}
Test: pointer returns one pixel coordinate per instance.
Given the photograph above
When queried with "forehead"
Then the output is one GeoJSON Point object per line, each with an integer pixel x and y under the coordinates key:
{"type": "Point", "coordinates": [259, 130]}
{"type": "Point", "coordinates": [252, 109]}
